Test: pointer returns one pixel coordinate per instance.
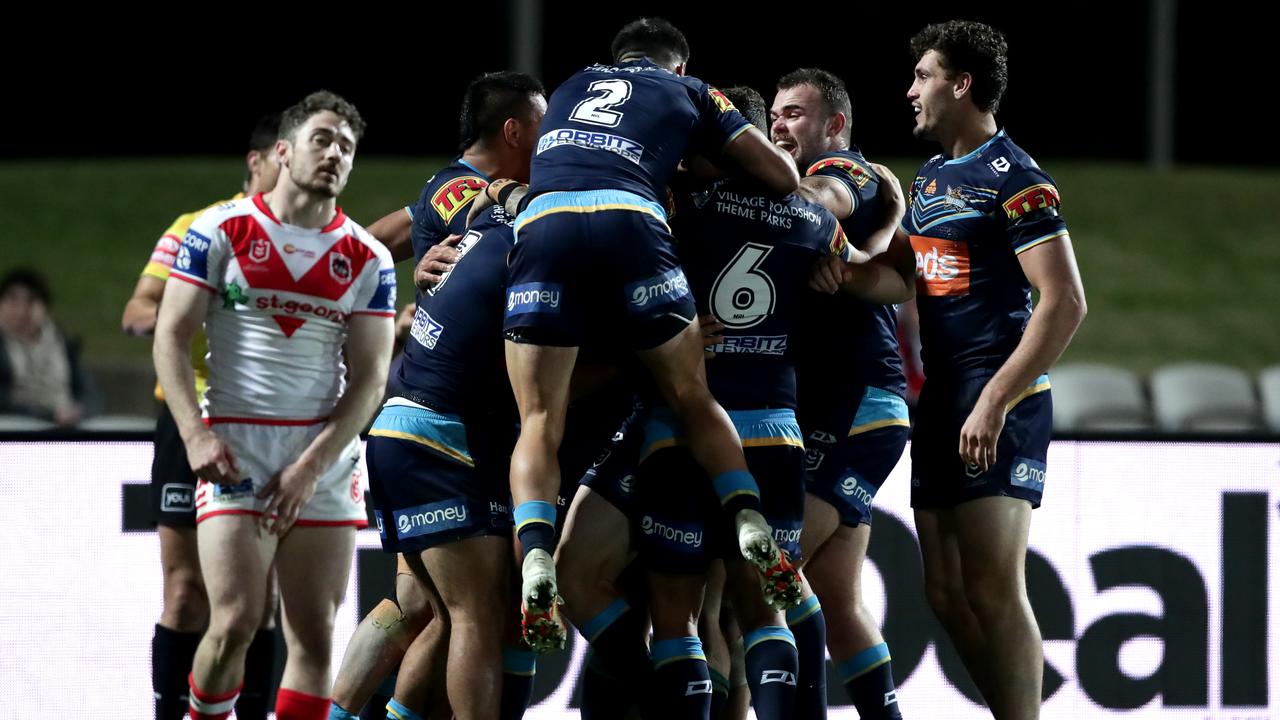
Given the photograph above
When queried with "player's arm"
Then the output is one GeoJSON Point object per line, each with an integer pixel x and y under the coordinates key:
{"type": "Point", "coordinates": [886, 279]}
{"type": "Point", "coordinates": [752, 153]}
{"type": "Point", "coordinates": [141, 310]}
{"type": "Point", "coordinates": [181, 314]}
{"type": "Point", "coordinates": [829, 193]}
{"type": "Point", "coordinates": [395, 231]}
{"type": "Point", "coordinates": [368, 352]}
{"type": "Point", "coordinates": [1051, 268]}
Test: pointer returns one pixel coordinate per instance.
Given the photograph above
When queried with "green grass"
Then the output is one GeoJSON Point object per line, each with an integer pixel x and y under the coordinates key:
{"type": "Point", "coordinates": [1177, 265]}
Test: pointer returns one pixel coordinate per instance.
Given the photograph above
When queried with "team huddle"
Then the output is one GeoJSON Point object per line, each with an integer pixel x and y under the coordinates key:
{"type": "Point", "coordinates": [649, 390]}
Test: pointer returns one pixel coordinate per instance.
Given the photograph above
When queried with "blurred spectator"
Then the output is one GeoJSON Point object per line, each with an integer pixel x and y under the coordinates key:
{"type": "Point", "coordinates": [40, 370]}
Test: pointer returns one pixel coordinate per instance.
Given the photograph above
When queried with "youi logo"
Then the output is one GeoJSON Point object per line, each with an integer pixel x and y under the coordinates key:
{"type": "Point", "coordinates": [534, 298]}
{"type": "Point", "coordinates": [660, 290]}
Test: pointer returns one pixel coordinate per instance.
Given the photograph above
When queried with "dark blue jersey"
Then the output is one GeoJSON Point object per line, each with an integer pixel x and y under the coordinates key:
{"type": "Point", "coordinates": [841, 330]}
{"type": "Point", "coordinates": [748, 259]}
{"type": "Point", "coordinates": [453, 359]}
{"type": "Point", "coordinates": [969, 219]}
{"type": "Point", "coordinates": [626, 127]}
{"type": "Point", "coordinates": [441, 210]}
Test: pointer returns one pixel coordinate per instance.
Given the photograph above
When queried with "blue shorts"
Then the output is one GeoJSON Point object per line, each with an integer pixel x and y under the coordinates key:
{"type": "Point", "coordinates": [599, 258]}
{"type": "Point", "coordinates": [680, 524]}
{"type": "Point", "coordinates": [613, 471]}
{"type": "Point", "coordinates": [846, 463]}
{"type": "Point", "coordinates": [939, 479]}
{"type": "Point", "coordinates": [429, 488]}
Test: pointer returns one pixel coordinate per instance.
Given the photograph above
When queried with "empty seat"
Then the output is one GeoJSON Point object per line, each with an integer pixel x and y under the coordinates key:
{"type": "Point", "coordinates": [22, 423]}
{"type": "Point", "coordinates": [1204, 397]}
{"type": "Point", "coordinates": [1090, 396]}
{"type": "Point", "coordinates": [119, 423]}
{"type": "Point", "coordinates": [1269, 388]}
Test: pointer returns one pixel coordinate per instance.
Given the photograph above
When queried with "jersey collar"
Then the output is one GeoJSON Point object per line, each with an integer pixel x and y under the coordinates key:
{"type": "Point", "coordinates": [474, 169]}
{"type": "Point", "coordinates": [978, 151]}
{"type": "Point", "coordinates": [338, 216]}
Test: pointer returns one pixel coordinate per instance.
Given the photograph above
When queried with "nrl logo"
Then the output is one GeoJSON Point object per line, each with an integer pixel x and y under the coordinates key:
{"type": "Point", "coordinates": [260, 250]}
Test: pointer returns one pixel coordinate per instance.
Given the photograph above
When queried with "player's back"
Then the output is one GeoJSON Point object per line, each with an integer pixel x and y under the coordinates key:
{"type": "Point", "coordinates": [969, 218]}
{"type": "Point", "coordinates": [749, 259]}
{"type": "Point", "coordinates": [625, 127]}
{"type": "Point", "coordinates": [453, 359]}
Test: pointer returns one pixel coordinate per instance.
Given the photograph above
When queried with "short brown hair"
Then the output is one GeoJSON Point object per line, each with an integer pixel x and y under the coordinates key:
{"type": "Point", "coordinates": [970, 47]}
{"type": "Point", "coordinates": [834, 94]}
{"type": "Point", "coordinates": [297, 115]}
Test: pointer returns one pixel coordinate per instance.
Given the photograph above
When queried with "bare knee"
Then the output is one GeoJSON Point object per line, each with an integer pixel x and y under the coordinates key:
{"type": "Point", "coordinates": [415, 604]}
{"type": "Point", "coordinates": [232, 629]}
{"type": "Point", "coordinates": [994, 596]}
{"type": "Point", "coordinates": [947, 598]}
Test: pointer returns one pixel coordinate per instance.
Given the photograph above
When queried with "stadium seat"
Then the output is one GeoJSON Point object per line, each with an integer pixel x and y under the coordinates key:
{"type": "Point", "coordinates": [1204, 397]}
{"type": "Point", "coordinates": [1269, 387]}
{"type": "Point", "coordinates": [22, 423]}
{"type": "Point", "coordinates": [119, 423]}
{"type": "Point", "coordinates": [1091, 396]}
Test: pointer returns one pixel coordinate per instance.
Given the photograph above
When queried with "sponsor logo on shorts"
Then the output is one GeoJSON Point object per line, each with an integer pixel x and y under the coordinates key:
{"type": "Point", "coordinates": [534, 298]}
{"type": "Point", "coordinates": [1027, 473]}
{"type": "Point", "coordinates": [377, 519]}
{"type": "Point", "coordinates": [625, 484]}
{"type": "Point", "coordinates": [431, 518]}
{"type": "Point", "coordinates": [858, 489]}
{"type": "Point", "coordinates": [659, 290]}
{"type": "Point", "coordinates": [625, 147]}
{"type": "Point", "coordinates": [231, 493]}
{"type": "Point", "coordinates": [786, 536]}
{"type": "Point", "coordinates": [682, 539]}
{"type": "Point", "coordinates": [813, 458]}
{"type": "Point", "coordinates": [177, 497]}
{"type": "Point", "coordinates": [425, 330]}
{"type": "Point", "coordinates": [497, 508]}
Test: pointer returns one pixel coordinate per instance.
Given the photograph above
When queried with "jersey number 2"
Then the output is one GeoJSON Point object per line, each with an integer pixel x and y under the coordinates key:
{"type": "Point", "coordinates": [743, 295]}
{"type": "Point", "coordinates": [598, 110]}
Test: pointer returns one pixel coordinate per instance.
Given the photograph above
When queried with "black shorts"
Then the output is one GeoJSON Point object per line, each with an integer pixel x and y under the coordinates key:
{"type": "Point", "coordinates": [847, 462]}
{"type": "Point", "coordinates": [612, 473]}
{"type": "Point", "coordinates": [939, 479]}
{"type": "Point", "coordinates": [173, 484]}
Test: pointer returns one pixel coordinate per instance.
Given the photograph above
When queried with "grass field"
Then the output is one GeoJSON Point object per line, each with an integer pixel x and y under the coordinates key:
{"type": "Point", "coordinates": [1177, 266]}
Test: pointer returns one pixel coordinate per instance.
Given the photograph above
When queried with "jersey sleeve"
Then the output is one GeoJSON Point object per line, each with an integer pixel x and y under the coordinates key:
{"type": "Point", "coordinates": [719, 122]}
{"type": "Point", "coordinates": [1030, 202]}
{"type": "Point", "coordinates": [376, 287]}
{"type": "Point", "coordinates": [202, 256]}
{"type": "Point", "coordinates": [861, 181]}
{"type": "Point", "coordinates": [838, 244]}
{"type": "Point", "coordinates": [165, 252]}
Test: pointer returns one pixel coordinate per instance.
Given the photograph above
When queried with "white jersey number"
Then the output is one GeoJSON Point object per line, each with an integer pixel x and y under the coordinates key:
{"type": "Point", "coordinates": [598, 110]}
{"type": "Point", "coordinates": [743, 295]}
{"type": "Point", "coordinates": [464, 246]}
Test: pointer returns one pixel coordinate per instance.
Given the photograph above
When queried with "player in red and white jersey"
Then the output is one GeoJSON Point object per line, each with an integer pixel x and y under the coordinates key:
{"type": "Point", "coordinates": [284, 284]}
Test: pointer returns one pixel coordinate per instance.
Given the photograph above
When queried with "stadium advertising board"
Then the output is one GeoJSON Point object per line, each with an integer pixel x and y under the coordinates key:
{"type": "Point", "coordinates": [1153, 573]}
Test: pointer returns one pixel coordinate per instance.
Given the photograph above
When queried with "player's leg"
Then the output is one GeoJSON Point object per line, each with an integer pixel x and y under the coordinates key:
{"type": "Point", "coordinates": [420, 684]}
{"type": "Point", "coordinates": [235, 560]}
{"type": "Point", "coordinates": [681, 684]}
{"type": "Point", "coordinates": [540, 378]}
{"type": "Point", "coordinates": [182, 620]}
{"type": "Point", "coordinates": [470, 576]}
{"type": "Point", "coordinates": [312, 565]}
{"type": "Point", "coordinates": [772, 663]}
{"type": "Point", "coordinates": [260, 660]}
{"type": "Point", "coordinates": [944, 589]}
{"type": "Point", "coordinates": [380, 641]}
{"type": "Point", "coordinates": [992, 534]}
{"type": "Point", "coordinates": [714, 643]}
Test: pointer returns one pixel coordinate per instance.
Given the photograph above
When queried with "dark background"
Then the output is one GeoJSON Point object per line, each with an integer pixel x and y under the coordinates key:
{"type": "Point", "coordinates": [1078, 72]}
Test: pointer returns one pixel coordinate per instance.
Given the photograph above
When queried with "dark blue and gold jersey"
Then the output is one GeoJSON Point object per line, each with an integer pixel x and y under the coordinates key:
{"type": "Point", "coordinates": [841, 330]}
{"type": "Point", "coordinates": [969, 218]}
{"type": "Point", "coordinates": [748, 258]}
{"type": "Point", "coordinates": [626, 127]}
{"type": "Point", "coordinates": [441, 210]}
{"type": "Point", "coordinates": [453, 360]}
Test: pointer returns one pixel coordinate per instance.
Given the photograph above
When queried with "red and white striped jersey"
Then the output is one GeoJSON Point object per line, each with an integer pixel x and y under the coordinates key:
{"type": "Point", "coordinates": [283, 295]}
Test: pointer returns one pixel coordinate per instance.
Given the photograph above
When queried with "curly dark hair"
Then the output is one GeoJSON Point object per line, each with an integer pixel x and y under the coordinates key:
{"type": "Point", "coordinates": [834, 94]}
{"type": "Point", "coordinates": [297, 115]}
{"type": "Point", "coordinates": [970, 47]}
{"type": "Point", "coordinates": [750, 103]}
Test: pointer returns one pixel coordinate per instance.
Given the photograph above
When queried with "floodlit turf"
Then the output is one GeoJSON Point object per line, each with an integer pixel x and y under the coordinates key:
{"type": "Point", "coordinates": [1178, 265]}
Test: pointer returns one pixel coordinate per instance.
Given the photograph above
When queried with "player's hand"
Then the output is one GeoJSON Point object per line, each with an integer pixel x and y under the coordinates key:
{"type": "Point", "coordinates": [211, 459]}
{"type": "Point", "coordinates": [289, 490]}
{"type": "Point", "coordinates": [479, 206]}
{"type": "Point", "coordinates": [440, 259]}
{"type": "Point", "coordinates": [711, 334]}
{"type": "Point", "coordinates": [827, 275]}
{"type": "Point", "coordinates": [980, 433]}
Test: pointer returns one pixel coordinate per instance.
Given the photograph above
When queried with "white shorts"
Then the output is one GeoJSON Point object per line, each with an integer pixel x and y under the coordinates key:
{"type": "Point", "coordinates": [261, 451]}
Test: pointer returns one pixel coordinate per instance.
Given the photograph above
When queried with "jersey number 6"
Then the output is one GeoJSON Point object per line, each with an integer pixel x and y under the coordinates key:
{"type": "Point", "coordinates": [743, 295]}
